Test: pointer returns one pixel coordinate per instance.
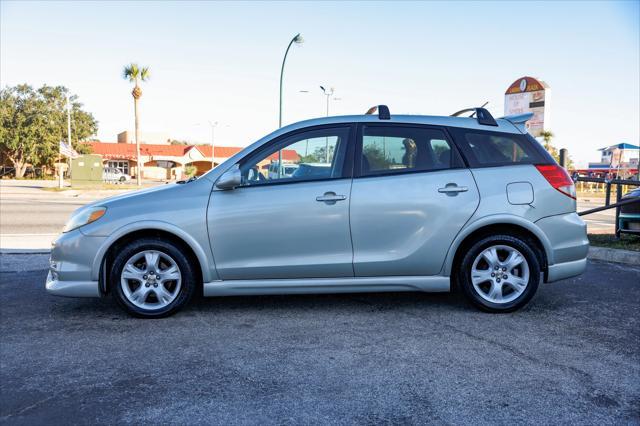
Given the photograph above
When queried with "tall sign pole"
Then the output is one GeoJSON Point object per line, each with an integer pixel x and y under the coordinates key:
{"type": "Point", "coordinates": [69, 129]}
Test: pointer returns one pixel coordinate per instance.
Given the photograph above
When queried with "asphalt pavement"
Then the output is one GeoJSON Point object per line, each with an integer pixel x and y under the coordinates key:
{"type": "Point", "coordinates": [571, 356]}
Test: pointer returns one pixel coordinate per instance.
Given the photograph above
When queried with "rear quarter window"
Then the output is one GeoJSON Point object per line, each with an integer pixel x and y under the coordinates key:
{"type": "Point", "coordinates": [487, 149]}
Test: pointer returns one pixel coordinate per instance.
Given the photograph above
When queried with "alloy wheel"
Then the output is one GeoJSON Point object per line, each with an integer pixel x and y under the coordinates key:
{"type": "Point", "coordinates": [500, 274]}
{"type": "Point", "coordinates": [151, 279]}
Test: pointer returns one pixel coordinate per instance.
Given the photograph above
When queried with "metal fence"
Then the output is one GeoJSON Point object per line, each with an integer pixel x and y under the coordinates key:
{"type": "Point", "coordinates": [608, 183]}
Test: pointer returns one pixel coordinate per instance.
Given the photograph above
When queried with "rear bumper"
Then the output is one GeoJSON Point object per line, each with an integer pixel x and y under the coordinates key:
{"type": "Point", "coordinates": [560, 271]}
{"type": "Point", "coordinates": [567, 234]}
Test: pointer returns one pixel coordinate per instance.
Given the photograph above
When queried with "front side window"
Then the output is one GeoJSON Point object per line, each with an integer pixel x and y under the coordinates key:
{"type": "Point", "coordinates": [396, 149]}
{"type": "Point", "coordinates": [313, 155]}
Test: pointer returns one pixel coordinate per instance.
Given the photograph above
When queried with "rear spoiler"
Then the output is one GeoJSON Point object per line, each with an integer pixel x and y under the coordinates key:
{"type": "Point", "coordinates": [519, 120]}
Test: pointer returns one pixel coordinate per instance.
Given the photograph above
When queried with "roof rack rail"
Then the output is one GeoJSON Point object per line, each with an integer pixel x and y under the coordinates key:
{"type": "Point", "coordinates": [484, 116]}
{"type": "Point", "coordinates": [383, 112]}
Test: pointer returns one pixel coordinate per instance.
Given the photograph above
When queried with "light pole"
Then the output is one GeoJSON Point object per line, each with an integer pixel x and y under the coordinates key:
{"type": "Point", "coordinates": [298, 40]}
{"type": "Point", "coordinates": [327, 92]}
{"type": "Point", "coordinates": [213, 125]}
{"type": "Point", "coordinates": [68, 137]}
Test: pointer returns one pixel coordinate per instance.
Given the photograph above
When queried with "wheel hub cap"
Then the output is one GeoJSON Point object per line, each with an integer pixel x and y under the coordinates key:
{"type": "Point", "coordinates": [500, 274]}
{"type": "Point", "coordinates": [151, 280]}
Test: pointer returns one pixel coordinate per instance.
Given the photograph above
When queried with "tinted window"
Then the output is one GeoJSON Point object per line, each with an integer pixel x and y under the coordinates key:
{"type": "Point", "coordinates": [313, 155]}
{"type": "Point", "coordinates": [494, 149]}
{"type": "Point", "coordinates": [404, 149]}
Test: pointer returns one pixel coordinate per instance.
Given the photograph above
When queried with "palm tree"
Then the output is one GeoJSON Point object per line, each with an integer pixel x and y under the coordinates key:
{"type": "Point", "coordinates": [546, 136]}
{"type": "Point", "coordinates": [136, 74]}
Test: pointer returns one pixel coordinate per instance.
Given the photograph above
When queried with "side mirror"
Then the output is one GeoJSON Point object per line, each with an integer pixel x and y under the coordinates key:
{"type": "Point", "coordinates": [230, 179]}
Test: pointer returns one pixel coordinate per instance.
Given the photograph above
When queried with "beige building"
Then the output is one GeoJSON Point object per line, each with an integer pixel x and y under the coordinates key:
{"type": "Point", "coordinates": [156, 138]}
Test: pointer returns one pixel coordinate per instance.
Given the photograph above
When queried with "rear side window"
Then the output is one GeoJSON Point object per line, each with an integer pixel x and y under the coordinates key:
{"type": "Point", "coordinates": [400, 149]}
{"type": "Point", "coordinates": [497, 149]}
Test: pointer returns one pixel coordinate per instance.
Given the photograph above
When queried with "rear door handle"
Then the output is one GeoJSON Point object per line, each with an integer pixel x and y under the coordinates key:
{"type": "Point", "coordinates": [452, 189]}
{"type": "Point", "coordinates": [330, 198]}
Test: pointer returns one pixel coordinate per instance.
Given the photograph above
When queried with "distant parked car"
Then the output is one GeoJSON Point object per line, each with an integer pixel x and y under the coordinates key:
{"type": "Point", "coordinates": [110, 174]}
{"type": "Point", "coordinates": [316, 170]}
{"type": "Point", "coordinates": [287, 170]}
{"type": "Point", "coordinates": [629, 220]}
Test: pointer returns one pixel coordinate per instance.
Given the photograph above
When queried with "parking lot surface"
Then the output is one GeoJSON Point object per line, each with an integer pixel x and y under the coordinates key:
{"type": "Point", "coordinates": [571, 356]}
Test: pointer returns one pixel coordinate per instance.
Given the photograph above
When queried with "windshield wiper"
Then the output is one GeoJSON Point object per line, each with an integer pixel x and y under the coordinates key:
{"type": "Point", "coordinates": [191, 179]}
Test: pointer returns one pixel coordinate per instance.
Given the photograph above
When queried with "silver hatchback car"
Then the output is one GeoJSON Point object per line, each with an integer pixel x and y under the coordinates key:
{"type": "Point", "coordinates": [389, 203]}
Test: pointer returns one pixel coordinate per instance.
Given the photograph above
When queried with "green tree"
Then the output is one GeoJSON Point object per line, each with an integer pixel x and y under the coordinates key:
{"type": "Point", "coordinates": [190, 170]}
{"type": "Point", "coordinates": [376, 157]}
{"type": "Point", "coordinates": [33, 122]}
{"type": "Point", "coordinates": [136, 74]}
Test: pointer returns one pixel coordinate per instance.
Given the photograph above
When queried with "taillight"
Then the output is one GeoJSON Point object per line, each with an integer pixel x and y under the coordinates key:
{"type": "Point", "coordinates": [558, 178]}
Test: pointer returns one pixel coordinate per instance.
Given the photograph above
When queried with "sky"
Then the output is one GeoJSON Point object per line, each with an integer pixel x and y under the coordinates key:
{"type": "Point", "coordinates": [220, 62]}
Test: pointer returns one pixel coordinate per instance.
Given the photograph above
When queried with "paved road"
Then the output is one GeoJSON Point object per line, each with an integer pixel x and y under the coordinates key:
{"type": "Point", "coordinates": [598, 223]}
{"type": "Point", "coordinates": [572, 356]}
{"type": "Point", "coordinates": [30, 218]}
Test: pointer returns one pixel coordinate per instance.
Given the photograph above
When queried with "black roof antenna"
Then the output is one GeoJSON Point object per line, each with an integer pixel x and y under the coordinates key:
{"type": "Point", "coordinates": [383, 112]}
{"type": "Point", "coordinates": [484, 116]}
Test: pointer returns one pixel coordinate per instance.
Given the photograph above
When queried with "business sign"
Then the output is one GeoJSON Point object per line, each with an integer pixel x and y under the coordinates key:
{"type": "Point", "coordinates": [527, 94]}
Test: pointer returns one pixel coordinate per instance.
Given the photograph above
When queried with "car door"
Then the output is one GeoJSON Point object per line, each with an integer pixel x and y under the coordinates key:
{"type": "Point", "coordinates": [277, 225]}
{"type": "Point", "coordinates": [410, 197]}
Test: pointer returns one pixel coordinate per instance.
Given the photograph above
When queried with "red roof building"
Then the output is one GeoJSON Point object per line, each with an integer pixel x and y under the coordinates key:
{"type": "Point", "coordinates": [168, 161]}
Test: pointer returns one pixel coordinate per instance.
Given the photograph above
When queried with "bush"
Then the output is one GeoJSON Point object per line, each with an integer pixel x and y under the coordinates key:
{"type": "Point", "coordinates": [190, 170]}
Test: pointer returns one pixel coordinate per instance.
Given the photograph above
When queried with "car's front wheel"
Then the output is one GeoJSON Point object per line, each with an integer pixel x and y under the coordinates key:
{"type": "Point", "coordinates": [152, 278]}
{"type": "Point", "coordinates": [499, 273]}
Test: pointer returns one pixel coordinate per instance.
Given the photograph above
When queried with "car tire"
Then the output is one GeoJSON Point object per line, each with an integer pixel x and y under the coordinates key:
{"type": "Point", "coordinates": [122, 179]}
{"type": "Point", "coordinates": [152, 278]}
{"type": "Point", "coordinates": [499, 273]}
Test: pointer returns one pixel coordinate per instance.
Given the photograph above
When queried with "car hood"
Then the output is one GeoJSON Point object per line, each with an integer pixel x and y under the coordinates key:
{"type": "Point", "coordinates": [141, 194]}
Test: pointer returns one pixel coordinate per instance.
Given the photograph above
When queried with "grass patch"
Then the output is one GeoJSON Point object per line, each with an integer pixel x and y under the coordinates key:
{"type": "Point", "coordinates": [626, 242]}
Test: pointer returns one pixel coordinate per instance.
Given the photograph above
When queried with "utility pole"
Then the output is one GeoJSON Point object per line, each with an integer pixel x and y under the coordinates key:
{"type": "Point", "coordinates": [328, 93]}
{"type": "Point", "coordinates": [213, 125]}
{"type": "Point", "coordinates": [298, 40]}
{"type": "Point", "coordinates": [69, 130]}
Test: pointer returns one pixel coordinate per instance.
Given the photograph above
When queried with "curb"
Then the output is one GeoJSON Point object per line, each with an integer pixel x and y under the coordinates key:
{"type": "Point", "coordinates": [24, 251]}
{"type": "Point", "coordinates": [627, 257]}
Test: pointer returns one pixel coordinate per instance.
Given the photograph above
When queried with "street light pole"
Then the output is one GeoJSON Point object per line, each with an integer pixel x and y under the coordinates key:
{"type": "Point", "coordinates": [327, 93]}
{"type": "Point", "coordinates": [68, 137]}
{"type": "Point", "coordinates": [213, 127]}
{"type": "Point", "coordinates": [298, 40]}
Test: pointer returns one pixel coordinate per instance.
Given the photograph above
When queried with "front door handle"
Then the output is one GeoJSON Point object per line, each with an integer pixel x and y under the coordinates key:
{"type": "Point", "coordinates": [330, 198]}
{"type": "Point", "coordinates": [452, 189]}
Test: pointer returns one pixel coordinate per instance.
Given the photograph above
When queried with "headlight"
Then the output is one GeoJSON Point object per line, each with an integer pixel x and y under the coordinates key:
{"type": "Point", "coordinates": [84, 217]}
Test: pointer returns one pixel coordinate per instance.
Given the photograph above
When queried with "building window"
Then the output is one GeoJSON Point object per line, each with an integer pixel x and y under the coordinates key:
{"type": "Point", "coordinates": [123, 166]}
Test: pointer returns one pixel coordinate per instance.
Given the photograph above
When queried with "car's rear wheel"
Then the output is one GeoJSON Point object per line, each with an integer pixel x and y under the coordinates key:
{"type": "Point", "coordinates": [499, 273]}
{"type": "Point", "coordinates": [123, 179]}
{"type": "Point", "coordinates": [152, 278]}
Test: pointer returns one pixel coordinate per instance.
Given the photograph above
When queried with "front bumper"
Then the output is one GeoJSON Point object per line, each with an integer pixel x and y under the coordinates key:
{"type": "Point", "coordinates": [71, 288]}
{"type": "Point", "coordinates": [629, 223]}
{"type": "Point", "coordinates": [567, 234]}
{"type": "Point", "coordinates": [71, 265]}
